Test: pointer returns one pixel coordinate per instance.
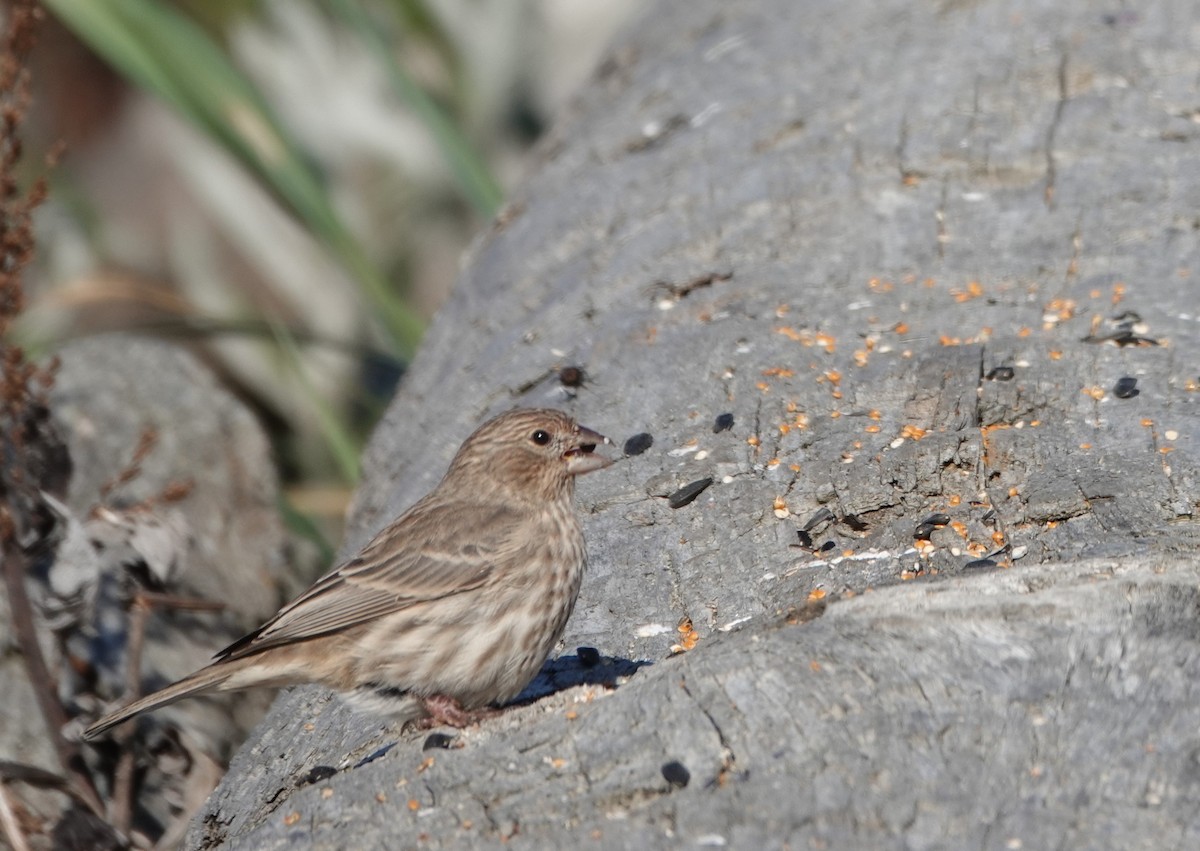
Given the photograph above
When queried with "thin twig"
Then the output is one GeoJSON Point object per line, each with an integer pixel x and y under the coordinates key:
{"type": "Point", "coordinates": [39, 676]}
{"type": "Point", "coordinates": [130, 471]}
{"type": "Point", "coordinates": [20, 772]}
{"type": "Point", "coordinates": [122, 797]}
{"type": "Point", "coordinates": [171, 601]}
{"type": "Point", "coordinates": [9, 822]}
{"type": "Point", "coordinates": [139, 611]}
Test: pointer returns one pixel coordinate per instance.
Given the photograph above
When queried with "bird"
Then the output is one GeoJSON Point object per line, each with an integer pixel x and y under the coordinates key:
{"type": "Point", "coordinates": [452, 608]}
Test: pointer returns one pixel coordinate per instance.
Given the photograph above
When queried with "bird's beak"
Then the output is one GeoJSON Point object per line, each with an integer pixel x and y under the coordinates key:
{"type": "Point", "coordinates": [582, 457]}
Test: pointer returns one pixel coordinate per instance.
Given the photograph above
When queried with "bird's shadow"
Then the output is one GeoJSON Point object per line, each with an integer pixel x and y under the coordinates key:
{"type": "Point", "coordinates": [586, 667]}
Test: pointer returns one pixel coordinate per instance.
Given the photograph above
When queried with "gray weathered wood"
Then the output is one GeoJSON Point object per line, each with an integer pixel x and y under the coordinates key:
{"type": "Point", "coordinates": [832, 221]}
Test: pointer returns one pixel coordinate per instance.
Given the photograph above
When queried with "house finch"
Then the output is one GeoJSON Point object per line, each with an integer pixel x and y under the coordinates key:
{"type": "Point", "coordinates": [454, 606]}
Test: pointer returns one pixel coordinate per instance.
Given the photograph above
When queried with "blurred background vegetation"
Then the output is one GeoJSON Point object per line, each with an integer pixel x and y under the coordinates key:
{"type": "Point", "coordinates": [286, 187]}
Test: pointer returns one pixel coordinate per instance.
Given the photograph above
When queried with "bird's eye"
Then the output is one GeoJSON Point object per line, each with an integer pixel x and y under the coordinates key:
{"type": "Point", "coordinates": [541, 437]}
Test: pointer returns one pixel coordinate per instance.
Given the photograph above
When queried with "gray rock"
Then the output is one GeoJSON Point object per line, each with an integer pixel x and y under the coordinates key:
{"type": "Point", "coordinates": [112, 389]}
{"type": "Point", "coordinates": [833, 221]}
{"type": "Point", "coordinates": [218, 538]}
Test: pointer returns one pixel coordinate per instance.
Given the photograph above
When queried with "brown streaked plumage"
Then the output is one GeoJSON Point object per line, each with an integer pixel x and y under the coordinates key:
{"type": "Point", "coordinates": [454, 606]}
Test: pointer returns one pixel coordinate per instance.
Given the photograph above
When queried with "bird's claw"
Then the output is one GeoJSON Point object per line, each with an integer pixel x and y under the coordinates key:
{"type": "Point", "coordinates": [444, 711]}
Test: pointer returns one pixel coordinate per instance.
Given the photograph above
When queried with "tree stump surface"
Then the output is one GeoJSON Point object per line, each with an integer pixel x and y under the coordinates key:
{"type": "Point", "coordinates": [938, 262]}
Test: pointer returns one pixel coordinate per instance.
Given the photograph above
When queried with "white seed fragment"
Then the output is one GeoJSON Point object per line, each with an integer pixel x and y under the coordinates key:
{"type": "Point", "coordinates": [650, 629]}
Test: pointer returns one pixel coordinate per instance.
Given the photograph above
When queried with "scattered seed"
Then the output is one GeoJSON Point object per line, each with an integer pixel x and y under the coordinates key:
{"type": "Point", "coordinates": [1125, 388]}
{"type": "Point", "coordinates": [572, 376]}
{"type": "Point", "coordinates": [822, 515]}
{"type": "Point", "coordinates": [924, 531]}
{"type": "Point", "coordinates": [937, 519]}
{"type": "Point", "coordinates": [1001, 373]}
{"type": "Point", "coordinates": [639, 443]}
{"type": "Point", "coordinates": [437, 741]}
{"type": "Point", "coordinates": [688, 636]}
{"type": "Point", "coordinates": [723, 422]}
{"type": "Point", "coordinates": [676, 774]}
{"type": "Point", "coordinates": [688, 492]}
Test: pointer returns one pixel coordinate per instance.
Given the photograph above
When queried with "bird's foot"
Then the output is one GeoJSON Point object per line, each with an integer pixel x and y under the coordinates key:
{"type": "Point", "coordinates": [445, 711]}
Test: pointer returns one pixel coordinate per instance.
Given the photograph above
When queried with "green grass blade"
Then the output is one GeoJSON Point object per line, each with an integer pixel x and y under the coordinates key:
{"type": "Point", "coordinates": [342, 446]}
{"type": "Point", "coordinates": [469, 170]}
{"type": "Point", "coordinates": [301, 524]}
{"type": "Point", "coordinates": [167, 54]}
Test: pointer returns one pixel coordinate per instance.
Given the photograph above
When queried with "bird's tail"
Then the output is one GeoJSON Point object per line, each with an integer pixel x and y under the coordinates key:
{"type": "Point", "coordinates": [206, 679]}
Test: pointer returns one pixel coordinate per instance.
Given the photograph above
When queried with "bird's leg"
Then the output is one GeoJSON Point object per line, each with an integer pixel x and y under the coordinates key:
{"type": "Point", "coordinates": [444, 710]}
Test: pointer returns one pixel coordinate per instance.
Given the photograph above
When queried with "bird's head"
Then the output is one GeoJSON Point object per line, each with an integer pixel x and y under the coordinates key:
{"type": "Point", "coordinates": [533, 452]}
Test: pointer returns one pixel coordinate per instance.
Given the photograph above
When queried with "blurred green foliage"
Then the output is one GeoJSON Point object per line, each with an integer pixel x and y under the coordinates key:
{"type": "Point", "coordinates": [177, 52]}
{"type": "Point", "coordinates": [163, 51]}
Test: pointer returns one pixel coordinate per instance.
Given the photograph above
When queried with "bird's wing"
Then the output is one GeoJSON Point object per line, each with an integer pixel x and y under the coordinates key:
{"type": "Point", "coordinates": [433, 550]}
